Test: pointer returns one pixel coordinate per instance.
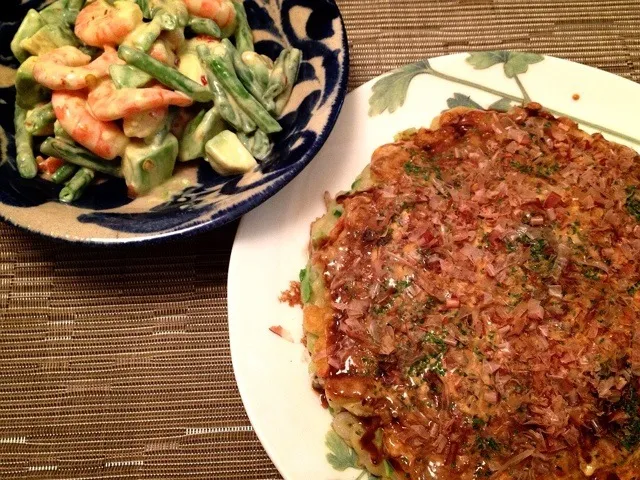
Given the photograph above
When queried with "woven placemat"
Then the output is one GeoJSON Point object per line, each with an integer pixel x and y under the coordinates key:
{"type": "Point", "coordinates": [115, 362]}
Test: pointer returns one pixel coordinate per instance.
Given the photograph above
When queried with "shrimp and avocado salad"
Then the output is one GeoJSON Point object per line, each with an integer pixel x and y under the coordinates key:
{"type": "Point", "coordinates": [129, 88]}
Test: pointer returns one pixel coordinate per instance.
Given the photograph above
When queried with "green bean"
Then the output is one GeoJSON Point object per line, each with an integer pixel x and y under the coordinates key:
{"type": "Point", "coordinates": [72, 10]}
{"type": "Point", "coordinates": [148, 7]}
{"type": "Point", "coordinates": [258, 144]}
{"type": "Point", "coordinates": [145, 34]}
{"type": "Point", "coordinates": [199, 131]}
{"type": "Point", "coordinates": [53, 14]}
{"type": "Point", "coordinates": [166, 75]}
{"type": "Point", "coordinates": [30, 25]}
{"type": "Point", "coordinates": [186, 141]}
{"type": "Point", "coordinates": [75, 187]}
{"type": "Point", "coordinates": [246, 75]}
{"type": "Point", "coordinates": [77, 155]}
{"type": "Point", "coordinates": [246, 122]}
{"type": "Point", "coordinates": [171, 14]}
{"type": "Point", "coordinates": [224, 72]}
{"type": "Point", "coordinates": [243, 35]}
{"type": "Point", "coordinates": [204, 26]}
{"type": "Point", "coordinates": [25, 159]}
{"type": "Point", "coordinates": [41, 119]}
{"type": "Point", "coordinates": [145, 7]}
{"type": "Point", "coordinates": [291, 70]}
{"type": "Point", "coordinates": [227, 106]}
{"type": "Point", "coordinates": [277, 77]}
{"type": "Point", "coordinates": [260, 66]}
{"type": "Point", "coordinates": [175, 14]}
{"type": "Point", "coordinates": [64, 173]}
{"type": "Point", "coordinates": [61, 133]}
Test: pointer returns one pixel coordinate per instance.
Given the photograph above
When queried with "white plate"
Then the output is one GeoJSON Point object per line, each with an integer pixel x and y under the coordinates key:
{"type": "Point", "coordinates": [271, 244]}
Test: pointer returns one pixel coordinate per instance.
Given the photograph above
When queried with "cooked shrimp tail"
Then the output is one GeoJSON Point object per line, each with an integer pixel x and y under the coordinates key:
{"type": "Point", "coordinates": [108, 103]}
{"type": "Point", "coordinates": [222, 12]}
{"type": "Point", "coordinates": [105, 139]}
{"type": "Point", "coordinates": [67, 68]}
{"type": "Point", "coordinates": [101, 23]}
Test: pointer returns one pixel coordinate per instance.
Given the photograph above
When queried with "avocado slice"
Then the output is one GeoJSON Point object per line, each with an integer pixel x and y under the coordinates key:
{"type": "Point", "coordinates": [49, 38]}
{"type": "Point", "coordinates": [30, 25]}
{"type": "Point", "coordinates": [126, 76]}
{"type": "Point", "coordinates": [29, 93]}
{"type": "Point", "coordinates": [147, 166]}
{"type": "Point", "coordinates": [227, 156]}
{"type": "Point", "coordinates": [198, 132]}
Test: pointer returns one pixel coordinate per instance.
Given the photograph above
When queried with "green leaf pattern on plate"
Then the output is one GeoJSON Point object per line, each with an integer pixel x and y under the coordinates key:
{"type": "Point", "coordinates": [341, 456]}
{"type": "Point", "coordinates": [390, 92]}
{"type": "Point", "coordinates": [515, 63]}
{"type": "Point", "coordinates": [460, 100]}
{"type": "Point", "coordinates": [502, 105]}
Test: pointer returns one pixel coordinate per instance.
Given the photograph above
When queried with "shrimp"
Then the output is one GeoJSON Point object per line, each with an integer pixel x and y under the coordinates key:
{"type": "Point", "coordinates": [67, 68]}
{"type": "Point", "coordinates": [165, 47]}
{"type": "Point", "coordinates": [108, 103]}
{"type": "Point", "coordinates": [104, 139]}
{"type": "Point", "coordinates": [160, 52]}
{"type": "Point", "coordinates": [220, 11]}
{"type": "Point", "coordinates": [99, 23]}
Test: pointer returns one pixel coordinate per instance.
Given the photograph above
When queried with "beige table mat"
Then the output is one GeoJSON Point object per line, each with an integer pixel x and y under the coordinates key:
{"type": "Point", "coordinates": [115, 363]}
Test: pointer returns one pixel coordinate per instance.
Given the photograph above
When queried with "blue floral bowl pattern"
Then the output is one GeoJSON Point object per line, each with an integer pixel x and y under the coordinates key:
{"type": "Point", "coordinates": [197, 199]}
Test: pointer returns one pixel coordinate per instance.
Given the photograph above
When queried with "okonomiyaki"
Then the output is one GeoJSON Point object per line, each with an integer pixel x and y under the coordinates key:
{"type": "Point", "coordinates": [471, 303]}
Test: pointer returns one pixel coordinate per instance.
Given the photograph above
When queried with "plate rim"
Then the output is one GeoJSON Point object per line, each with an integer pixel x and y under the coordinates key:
{"type": "Point", "coordinates": [235, 254]}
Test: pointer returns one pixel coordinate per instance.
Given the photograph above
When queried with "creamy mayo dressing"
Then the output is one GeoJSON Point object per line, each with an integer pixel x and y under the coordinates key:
{"type": "Point", "coordinates": [7, 76]}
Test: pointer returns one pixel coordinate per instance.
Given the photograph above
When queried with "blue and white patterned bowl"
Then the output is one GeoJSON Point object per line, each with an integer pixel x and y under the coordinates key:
{"type": "Point", "coordinates": [197, 199]}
